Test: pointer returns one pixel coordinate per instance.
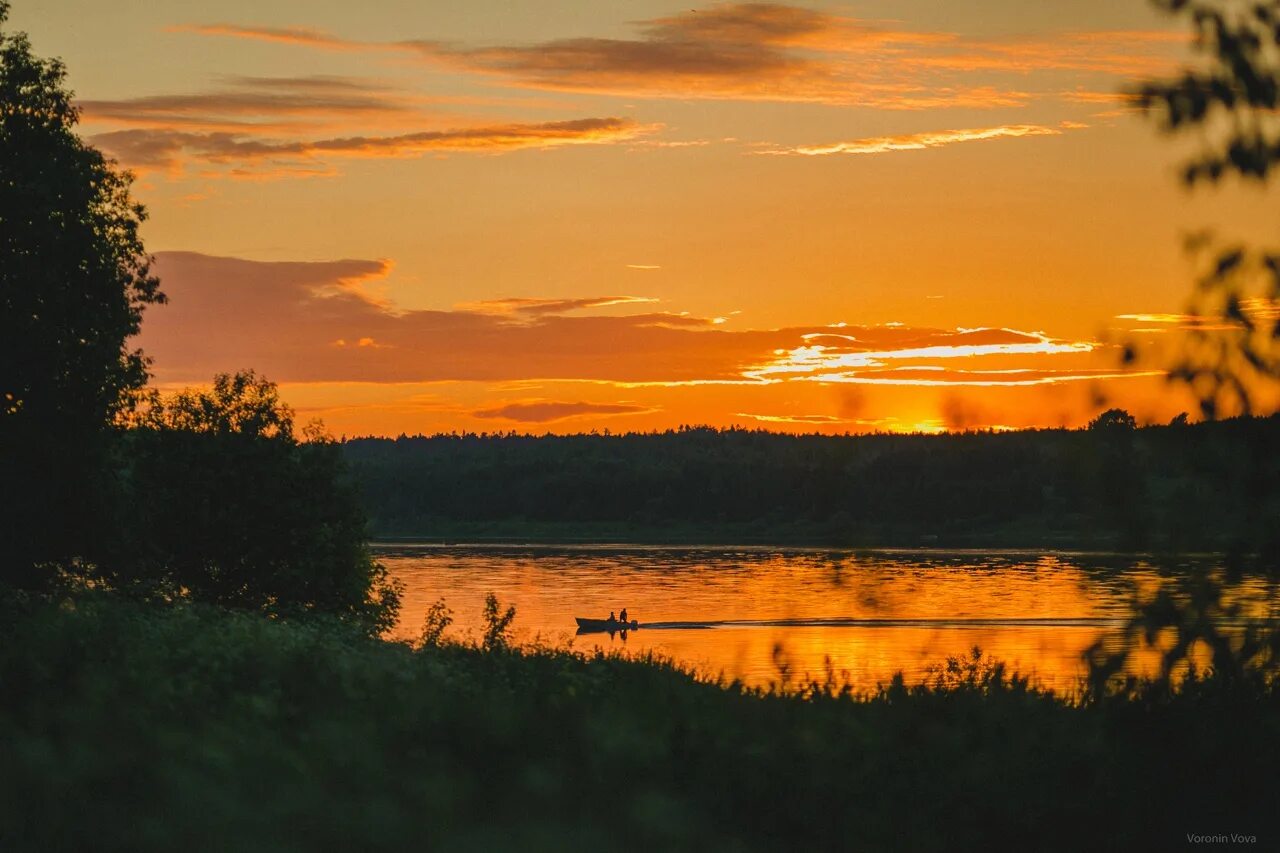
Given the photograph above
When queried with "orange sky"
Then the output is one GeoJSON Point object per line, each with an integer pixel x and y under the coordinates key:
{"type": "Point", "coordinates": [586, 215]}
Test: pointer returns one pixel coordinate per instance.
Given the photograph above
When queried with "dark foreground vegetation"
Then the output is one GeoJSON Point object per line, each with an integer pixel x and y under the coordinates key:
{"type": "Point", "coordinates": [1180, 487]}
{"type": "Point", "coordinates": [127, 727]}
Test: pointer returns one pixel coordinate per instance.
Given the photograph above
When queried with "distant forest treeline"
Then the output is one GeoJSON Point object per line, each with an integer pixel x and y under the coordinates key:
{"type": "Point", "coordinates": [1179, 486]}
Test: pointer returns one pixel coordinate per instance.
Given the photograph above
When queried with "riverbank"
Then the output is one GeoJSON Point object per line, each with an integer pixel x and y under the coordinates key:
{"type": "Point", "coordinates": [197, 728]}
{"type": "Point", "coordinates": [1025, 538]}
{"type": "Point", "coordinates": [393, 544]}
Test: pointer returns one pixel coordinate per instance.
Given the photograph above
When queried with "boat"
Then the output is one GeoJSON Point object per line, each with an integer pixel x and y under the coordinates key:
{"type": "Point", "coordinates": [587, 626]}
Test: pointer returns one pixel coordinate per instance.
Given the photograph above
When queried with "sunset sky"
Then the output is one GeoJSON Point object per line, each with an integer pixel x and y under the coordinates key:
{"type": "Point", "coordinates": [569, 215]}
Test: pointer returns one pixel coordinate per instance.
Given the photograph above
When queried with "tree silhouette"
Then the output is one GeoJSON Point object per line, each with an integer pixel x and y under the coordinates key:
{"type": "Point", "coordinates": [74, 279]}
{"type": "Point", "coordinates": [1114, 419]}
{"type": "Point", "coordinates": [219, 501]}
{"type": "Point", "coordinates": [1081, 488]}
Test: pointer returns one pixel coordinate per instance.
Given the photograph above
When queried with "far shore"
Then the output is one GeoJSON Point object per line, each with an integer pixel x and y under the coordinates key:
{"type": "Point", "coordinates": [1056, 548]}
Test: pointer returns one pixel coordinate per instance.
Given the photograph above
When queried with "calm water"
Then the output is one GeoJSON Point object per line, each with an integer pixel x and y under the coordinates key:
{"type": "Point", "coordinates": [727, 610]}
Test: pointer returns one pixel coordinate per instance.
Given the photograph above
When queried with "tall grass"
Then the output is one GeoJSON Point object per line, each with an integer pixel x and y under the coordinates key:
{"type": "Point", "coordinates": [134, 727]}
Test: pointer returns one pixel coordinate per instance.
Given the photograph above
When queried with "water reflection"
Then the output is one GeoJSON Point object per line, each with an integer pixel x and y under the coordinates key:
{"type": "Point", "coordinates": [869, 614]}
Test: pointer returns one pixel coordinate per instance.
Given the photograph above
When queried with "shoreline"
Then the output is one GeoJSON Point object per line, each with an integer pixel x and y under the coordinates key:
{"type": "Point", "coordinates": [606, 544]}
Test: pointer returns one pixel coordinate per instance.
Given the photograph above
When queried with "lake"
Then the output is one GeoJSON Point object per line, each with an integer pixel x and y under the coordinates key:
{"type": "Point", "coordinates": [742, 611]}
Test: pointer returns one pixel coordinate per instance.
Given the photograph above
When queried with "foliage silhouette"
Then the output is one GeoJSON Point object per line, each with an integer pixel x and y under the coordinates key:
{"type": "Point", "coordinates": [1114, 419]}
{"type": "Point", "coordinates": [243, 404]}
{"type": "Point", "coordinates": [74, 280]}
{"type": "Point", "coordinates": [1228, 99]}
{"type": "Point", "coordinates": [220, 502]}
{"type": "Point", "coordinates": [1193, 611]}
{"type": "Point", "coordinates": [497, 624]}
{"type": "Point", "coordinates": [1232, 356]}
{"type": "Point", "coordinates": [205, 495]}
{"type": "Point", "coordinates": [1232, 95]}
{"type": "Point", "coordinates": [438, 619]}
{"type": "Point", "coordinates": [1162, 487]}
{"type": "Point", "coordinates": [191, 726]}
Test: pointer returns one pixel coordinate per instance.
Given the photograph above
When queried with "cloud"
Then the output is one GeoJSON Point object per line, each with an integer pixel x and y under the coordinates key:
{"type": "Point", "coordinates": [285, 317]}
{"type": "Point", "coordinates": [759, 51]}
{"type": "Point", "coordinates": [749, 51]}
{"type": "Point", "coordinates": [270, 127]}
{"type": "Point", "coordinates": [318, 322]}
{"type": "Point", "coordinates": [816, 420]}
{"type": "Point", "coordinates": [282, 104]}
{"type": "Point", "coordinates": [921, 141]}
{"type": "Point", "coordinates": [842, 357]}
{"type": "Point", "coordinates": [537, 307]}
{"type": "Point", "coordinates": [1159, 323]}
{"type": "Point", "coordinates": [148, 148]}
{"type": "Point", "coordinates": [261, 104]}
{"type": "Point", "coordinates": [303, 36]}
{"type": "Point", "coordinates": [779, 52]}
{"type": "Point", "coordinates": [546, 411]}
{"type": "Point", "coordinates": [1126, 53]}
{"type": "Point", "coordinates": [1114, 99]}
{"type": "Point", "coordinates": [978, 379]}
{"type": "Point", "coordinates": [643, 144]}
{"type": "Point", "coordinates": [1158, 318]}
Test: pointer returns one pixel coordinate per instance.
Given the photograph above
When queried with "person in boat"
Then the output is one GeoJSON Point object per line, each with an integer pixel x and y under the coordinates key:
{"type": "Point", "coordinates": [612, 618]}
{"type": "Point", "coordinates": [622, 617]}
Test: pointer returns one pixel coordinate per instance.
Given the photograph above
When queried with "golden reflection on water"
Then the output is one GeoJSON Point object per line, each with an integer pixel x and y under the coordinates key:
{"type": "Point", "coordinates": [1037, 613]}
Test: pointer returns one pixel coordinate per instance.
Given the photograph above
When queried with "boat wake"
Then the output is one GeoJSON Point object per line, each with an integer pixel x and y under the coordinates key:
{"type": "Point", "coordinates": [849, 622]}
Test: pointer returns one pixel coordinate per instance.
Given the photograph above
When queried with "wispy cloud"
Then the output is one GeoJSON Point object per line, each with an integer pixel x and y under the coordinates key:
{"type": "Point", "coordinates": [538, 307]}
{"type": "Point", "coordinates": [271, 127]}
{"type": "Point", "coordinates": [841, 357]}
{"type": "Point", "coordinates": [1256, 309]}
{"type": "Point", "coordinates": [922, 141]}
{"type": "Point", "coordinates": [171, 148]}
{"type": "Point", "coordinates": [1116, 99]}
{"type": "Point", "coordinates": [263, 105]}
{"type": "Point", "coordinates": [738, 51]}
{"type": "Point", "coordinates": [779, 52]}
{"type": "Point", "coordinates": [975, 378]}
{"type": "Point", "coordinates": [303, 36]}
{"type": "Point", "coordinates": [1124, 53]}
{"type": "Point", "coordinates": [1164, 318]}
{"type": "Point", "coordinates": [815, 420]}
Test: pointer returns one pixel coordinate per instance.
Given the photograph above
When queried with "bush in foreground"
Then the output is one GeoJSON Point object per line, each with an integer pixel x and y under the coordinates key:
{"type": "Point", "coordinates": [219, 501]}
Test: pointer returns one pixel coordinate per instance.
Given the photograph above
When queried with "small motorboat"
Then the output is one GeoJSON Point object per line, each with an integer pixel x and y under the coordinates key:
{"type": "Point", "coordinates": [589, 626]}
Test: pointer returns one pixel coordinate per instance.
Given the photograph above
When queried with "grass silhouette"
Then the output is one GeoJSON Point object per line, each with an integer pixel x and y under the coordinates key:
{"type": "Point", "coordinates": [139, 727]}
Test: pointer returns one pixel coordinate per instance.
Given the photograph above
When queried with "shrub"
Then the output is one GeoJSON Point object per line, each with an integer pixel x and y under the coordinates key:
{"type": "Point", "coordinates": [220, 502]}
